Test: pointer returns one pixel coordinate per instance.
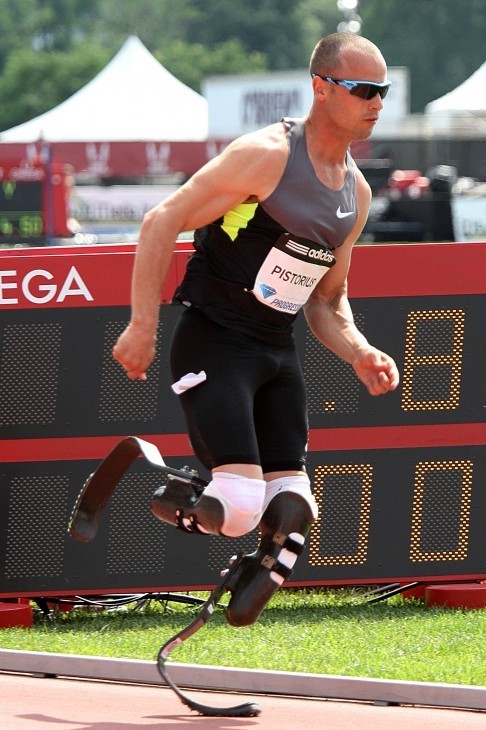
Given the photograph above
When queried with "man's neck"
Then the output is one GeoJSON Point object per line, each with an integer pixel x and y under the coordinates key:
{"type": "Point", "coordinates": [327, 153]}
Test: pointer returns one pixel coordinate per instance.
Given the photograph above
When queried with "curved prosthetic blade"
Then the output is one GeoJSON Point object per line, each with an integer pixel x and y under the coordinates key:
{"type": "Point", "coordinates": [247, 709]}
{"type": "Point", "coordinates": [97, 490]}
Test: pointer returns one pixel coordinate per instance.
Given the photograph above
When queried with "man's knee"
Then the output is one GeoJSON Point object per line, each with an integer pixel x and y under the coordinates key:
{"type": "Point", "coordinates": [296, 484]}
{"type": "Point", "coordinates": [284, 527]}
{"type": "Point", "coordinates": [242, 499]}
{"type": "Point", "coordinates": [230, 505]}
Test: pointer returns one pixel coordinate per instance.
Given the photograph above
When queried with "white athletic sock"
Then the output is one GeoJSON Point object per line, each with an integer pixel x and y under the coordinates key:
{"type": "Point", "coordinates": [242, 499]}
{"type": "Point", "coordinates": [298, 484]}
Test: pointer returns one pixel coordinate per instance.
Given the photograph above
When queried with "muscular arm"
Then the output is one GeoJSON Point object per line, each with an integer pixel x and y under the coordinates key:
{"type": "Point", "coordinates": [250, 167]}
{"type": "Point", "coordinates": [330, 318]}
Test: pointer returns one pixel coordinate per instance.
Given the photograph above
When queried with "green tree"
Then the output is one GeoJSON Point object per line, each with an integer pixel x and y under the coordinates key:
{"type": "Point", "coordinates": [52, 78]}
{"type": "Point", "coordinates": [17, 26]}
{"type": "Point", "coordinates": [190, 63]}
{"type": "Point", "coordinates": [60, 23]}
{"type": "Point", "coordinates": [442, 43]}
{"type": "Point", "coordinates": [43, 24]}
{"type": "Point", "coordinates": [269, 27]}
{"type": "Point", "coordinates": [156, 23]}
{"type": "Point", "coordinates": [317, 18]}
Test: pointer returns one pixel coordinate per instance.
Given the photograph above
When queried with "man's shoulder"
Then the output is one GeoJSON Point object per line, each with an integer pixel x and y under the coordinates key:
{"type": "Point", "coordinates": [361, 182]}
{"type": "Point", "coordinates": [272, 138]}
{"type": "Point", "coordinates": [259, 157]}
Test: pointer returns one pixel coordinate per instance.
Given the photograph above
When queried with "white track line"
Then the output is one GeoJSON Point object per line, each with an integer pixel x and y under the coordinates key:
{"type": "Point", "coordinates": [195, 676]}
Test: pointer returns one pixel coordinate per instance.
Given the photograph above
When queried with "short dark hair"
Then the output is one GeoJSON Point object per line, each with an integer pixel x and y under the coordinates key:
{"type": "Point", "coordinates": [326, 56]}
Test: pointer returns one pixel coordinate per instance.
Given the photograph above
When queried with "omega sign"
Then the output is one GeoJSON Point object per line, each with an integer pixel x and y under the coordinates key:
{"type": "Point", "coordinates": [40, 286]}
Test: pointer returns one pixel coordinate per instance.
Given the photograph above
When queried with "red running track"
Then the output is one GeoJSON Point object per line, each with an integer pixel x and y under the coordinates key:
{"type": "Point", "coordinates": [38, 703]}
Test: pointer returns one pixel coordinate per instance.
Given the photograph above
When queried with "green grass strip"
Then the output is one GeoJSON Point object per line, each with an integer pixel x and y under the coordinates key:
{"type": "Point", "coordinates": [319, 631]}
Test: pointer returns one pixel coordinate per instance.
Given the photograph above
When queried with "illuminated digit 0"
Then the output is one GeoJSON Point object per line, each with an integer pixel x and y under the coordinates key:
{"type": "Point", "coordinates": [441, 511]}
{"type": "Point", "coordinates": [433, 360]}
{"type": "Point", "coordinates": [343, 495]}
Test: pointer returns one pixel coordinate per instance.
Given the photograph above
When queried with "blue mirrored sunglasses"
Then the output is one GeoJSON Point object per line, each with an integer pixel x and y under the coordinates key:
{"type": "Point", "coordinates": [363, 89]}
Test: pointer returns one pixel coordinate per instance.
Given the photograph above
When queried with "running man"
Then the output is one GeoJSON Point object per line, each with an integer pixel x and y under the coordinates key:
{"type": "Point", "coordinates": [275, 216]}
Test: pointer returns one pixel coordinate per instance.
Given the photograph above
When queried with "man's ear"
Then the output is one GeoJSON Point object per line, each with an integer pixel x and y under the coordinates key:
{"type": "Point", "coordinates": [318, 86]}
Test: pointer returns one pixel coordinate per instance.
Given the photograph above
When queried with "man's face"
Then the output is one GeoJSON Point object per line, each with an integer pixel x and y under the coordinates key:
{"type": "Point", "coordinates": [356, 115]}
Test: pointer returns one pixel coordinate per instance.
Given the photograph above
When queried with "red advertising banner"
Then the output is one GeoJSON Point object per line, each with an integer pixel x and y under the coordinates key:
{"type": "Point", "coordinates": [117, 159]}
{"type": "Point", "coordinates": [100, 275]}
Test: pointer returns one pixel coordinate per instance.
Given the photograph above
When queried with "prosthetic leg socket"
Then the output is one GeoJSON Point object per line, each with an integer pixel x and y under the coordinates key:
{"type": "Point", "coordinates": [230, 505]}
{"type": "Point", "coordinates": [284, 526]}
{"type": "Point", "coordinates": [183, 504]}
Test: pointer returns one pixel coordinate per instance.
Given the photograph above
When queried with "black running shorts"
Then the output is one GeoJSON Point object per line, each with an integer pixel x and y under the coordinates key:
{"type": "Point", "coordinates": [252, 407]}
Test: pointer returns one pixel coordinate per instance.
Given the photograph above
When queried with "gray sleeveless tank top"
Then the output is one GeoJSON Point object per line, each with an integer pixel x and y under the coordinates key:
{"type": "Point", "coordinates": [301, 203]}
{"type": "Point", "coordinates": [256, 266]}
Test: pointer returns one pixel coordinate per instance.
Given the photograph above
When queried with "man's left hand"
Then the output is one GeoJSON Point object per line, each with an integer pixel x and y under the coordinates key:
{"type": "Point", "coordinates": [377, 371]}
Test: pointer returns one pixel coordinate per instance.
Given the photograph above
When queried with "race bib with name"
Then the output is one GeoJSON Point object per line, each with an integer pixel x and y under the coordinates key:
{"type": "Point", "coordinates": [291, 271]}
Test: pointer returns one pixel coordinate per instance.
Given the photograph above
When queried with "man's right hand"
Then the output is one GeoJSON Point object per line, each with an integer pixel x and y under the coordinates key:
{"type": "Point", "coordinates": [135, 351]}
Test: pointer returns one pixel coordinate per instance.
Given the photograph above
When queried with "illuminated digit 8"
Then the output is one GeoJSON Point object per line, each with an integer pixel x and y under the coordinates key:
{"type": "Point", "coordinates": [441, 511]}
{"type": "Point", "coordinates": [343, 495]}
{"type": "Point", "coordinates": [432, 369]}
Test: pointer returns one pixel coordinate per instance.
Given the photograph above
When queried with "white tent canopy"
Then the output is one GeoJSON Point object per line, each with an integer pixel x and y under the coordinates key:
{"type": "Point", "coordinates": [134, 98]}
{"type": "Point", "coordinates": [467, 99]}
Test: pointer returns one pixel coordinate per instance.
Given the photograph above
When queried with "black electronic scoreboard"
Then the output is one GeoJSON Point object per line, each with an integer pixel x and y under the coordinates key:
{"type": "Point", "coordinates": [21, 216]}
{"type": "Point", "coordinates": [400, 479]}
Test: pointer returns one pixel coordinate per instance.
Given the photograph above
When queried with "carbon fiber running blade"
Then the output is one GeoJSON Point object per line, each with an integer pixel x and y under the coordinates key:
{"type": "Point", "coordinates": [247, 709]}
{"type": "Point", "coordinates": [97, 490]}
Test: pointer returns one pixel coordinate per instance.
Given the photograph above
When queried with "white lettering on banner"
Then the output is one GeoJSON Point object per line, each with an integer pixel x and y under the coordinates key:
{"type": "Point", "coordinates": [98, 157]}
{"type": "Point", "coordinates": [73, 277]}
{"type": "Point", "coordinates": [73, 285]}
{"type": "Point", "coordinates": [157, 158]}
{"type": "Point", "coordinates": [7, 285]}
{"type": "Point", "coordinates": [469, 217]}
{"type": "Point", "coordinates": [92, 203]}
{"type": "Point", "coordinates": [50, 289]}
